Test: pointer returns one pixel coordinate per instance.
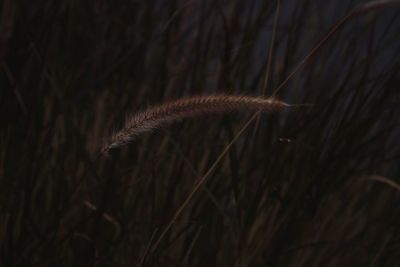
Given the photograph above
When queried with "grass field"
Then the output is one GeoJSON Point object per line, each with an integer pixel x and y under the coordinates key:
{"type": "Point", "coordinates": [314, 184]}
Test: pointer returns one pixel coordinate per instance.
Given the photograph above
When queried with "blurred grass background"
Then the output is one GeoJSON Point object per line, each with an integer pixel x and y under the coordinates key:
{"type": "Point", "coordinates": [312, 186]}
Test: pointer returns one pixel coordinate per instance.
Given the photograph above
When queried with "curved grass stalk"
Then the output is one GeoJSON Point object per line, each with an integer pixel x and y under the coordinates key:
{"type": "Point", "coordinates": [162, 115]}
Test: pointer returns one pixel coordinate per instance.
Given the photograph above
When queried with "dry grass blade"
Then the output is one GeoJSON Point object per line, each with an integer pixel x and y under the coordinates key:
{"type": "Point", "coordinates": [385, 181]}
{"type": "Point", "coordinates": [357, 11]}
{"type": "Point", "coordinates": [156, 117]}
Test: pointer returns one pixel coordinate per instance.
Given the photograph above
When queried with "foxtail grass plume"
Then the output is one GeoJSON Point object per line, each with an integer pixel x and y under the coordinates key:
{"type": "Point", "coordinates": [158, 116]}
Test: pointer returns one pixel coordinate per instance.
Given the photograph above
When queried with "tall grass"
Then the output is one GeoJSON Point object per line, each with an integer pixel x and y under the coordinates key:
{"type": "Point", "coordinates": [310, 186]}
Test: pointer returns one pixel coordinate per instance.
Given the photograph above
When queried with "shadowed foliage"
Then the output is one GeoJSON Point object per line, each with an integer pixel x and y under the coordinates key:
{"type": "Point", "coordinates": [313, 185]}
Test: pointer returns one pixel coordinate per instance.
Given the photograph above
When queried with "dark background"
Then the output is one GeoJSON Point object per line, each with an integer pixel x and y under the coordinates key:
{"type": "Point", "coordinates": [311, 186]}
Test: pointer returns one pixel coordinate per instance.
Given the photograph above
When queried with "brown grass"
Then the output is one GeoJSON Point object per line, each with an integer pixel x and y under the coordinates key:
{"type": "Point", "coordinates": [158, 116]}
